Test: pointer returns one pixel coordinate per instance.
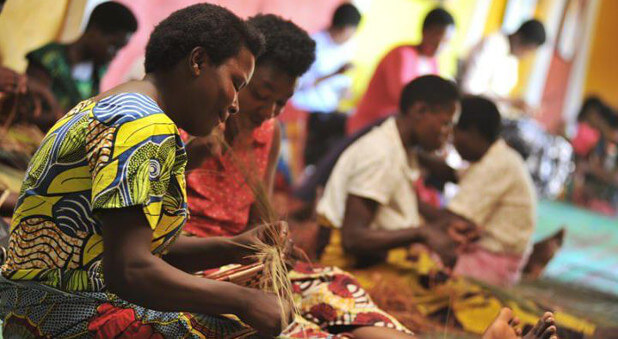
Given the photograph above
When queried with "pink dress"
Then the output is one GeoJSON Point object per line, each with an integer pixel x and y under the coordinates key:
{"type": "Point", "coordinates": [400, 66]}
{"type": "Point", "coordinates": [218, 197]}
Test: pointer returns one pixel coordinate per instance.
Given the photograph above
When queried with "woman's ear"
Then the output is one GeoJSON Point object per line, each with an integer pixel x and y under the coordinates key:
{"type": "Point", "coordinates": [198, 59]}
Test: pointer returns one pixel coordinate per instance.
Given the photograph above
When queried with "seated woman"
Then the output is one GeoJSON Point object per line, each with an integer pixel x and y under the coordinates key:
{"type": "Point", "coordinates": [72, 72]}
{"type": "Point", "coordinates": [496, 193]}
{"type": "Point", "coordinates": [595, 183]}
{"type": "Point", "coordinates": [222, 202]}
{"type": "Point", "coordinates": [95, 245]}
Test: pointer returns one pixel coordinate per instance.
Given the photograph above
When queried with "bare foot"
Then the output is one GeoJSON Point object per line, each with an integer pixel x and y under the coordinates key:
{"type": "Point", "coordinates": [545, 328]}
{"type": "Point", "coordinates": [542, 253]}
{"type": "Point", "coordinates": [505, 327]}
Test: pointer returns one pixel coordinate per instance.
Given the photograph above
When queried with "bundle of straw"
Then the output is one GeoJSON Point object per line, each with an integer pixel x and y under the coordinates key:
{"type": "Point", "coordinates": [270, 274]}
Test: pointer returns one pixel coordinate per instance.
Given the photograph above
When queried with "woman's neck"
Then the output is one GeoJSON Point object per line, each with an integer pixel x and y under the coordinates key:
{"type": "Point", "coordinates": [76, 52]}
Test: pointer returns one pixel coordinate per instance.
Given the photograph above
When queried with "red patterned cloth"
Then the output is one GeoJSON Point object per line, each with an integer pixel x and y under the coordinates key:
{"type": "Point", "coordinates": [218, 197]}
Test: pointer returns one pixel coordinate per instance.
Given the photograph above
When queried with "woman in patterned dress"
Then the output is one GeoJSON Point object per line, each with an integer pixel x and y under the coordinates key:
{"type": "Point", "coordinates": [95, 246]}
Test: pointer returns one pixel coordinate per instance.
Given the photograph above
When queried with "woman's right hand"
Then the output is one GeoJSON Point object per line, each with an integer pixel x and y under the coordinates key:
{"type": "Point", "coordinates": [264, 314]}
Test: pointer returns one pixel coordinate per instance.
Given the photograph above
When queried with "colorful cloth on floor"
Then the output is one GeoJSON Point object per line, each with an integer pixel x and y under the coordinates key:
{"type": "Point", "coordinates": [119, 152]}
{"type": "Point", "coordinates": [218, 195]}
{"type": "Point", "coordinates": [68, 91]}
{"type": "Point", "coordinates": [329, 299]}
{"type": "Point", "coordinates": [419, 288]}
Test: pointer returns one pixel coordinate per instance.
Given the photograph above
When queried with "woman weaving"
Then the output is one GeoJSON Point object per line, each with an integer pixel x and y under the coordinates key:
{"type": "Point", "coordinates": [95, 249]}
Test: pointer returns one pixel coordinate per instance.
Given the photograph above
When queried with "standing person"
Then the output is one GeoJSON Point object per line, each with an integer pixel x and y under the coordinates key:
{"type": "Point", "coordinates": [325, 84]}
{"type": "Point", "coordinates": [95, 246]}
{"type": "Point", "coordinates": [72, 72]}
{"type": "Point", "coordinates": [398, 67]}
{"type": "Point", "coordinates": [492, 66]}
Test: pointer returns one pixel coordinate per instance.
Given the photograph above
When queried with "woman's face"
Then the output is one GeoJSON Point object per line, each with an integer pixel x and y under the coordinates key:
{"type": "Point", "coordinates": [213, 94]}
{"type": "Point", "coordinates": [264, 98]}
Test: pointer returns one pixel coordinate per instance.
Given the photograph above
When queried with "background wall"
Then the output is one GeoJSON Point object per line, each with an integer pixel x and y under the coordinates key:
{"type": "Point", "coordinates": [602, 73]}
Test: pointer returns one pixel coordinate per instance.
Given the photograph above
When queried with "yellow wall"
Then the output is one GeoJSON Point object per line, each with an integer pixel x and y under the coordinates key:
{"type": "Point", "coordinates": [602, 72]}
{"type": "Point", "coordinates": [495, 16]}
{"type": "Point", "coordinates": [26, 25]}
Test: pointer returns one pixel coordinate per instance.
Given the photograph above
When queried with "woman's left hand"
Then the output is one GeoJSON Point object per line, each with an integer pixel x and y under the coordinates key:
{"type": "Point", "coordinates": [276, 234]}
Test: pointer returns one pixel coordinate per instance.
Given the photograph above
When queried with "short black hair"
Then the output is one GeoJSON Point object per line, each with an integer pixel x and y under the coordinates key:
{"type": "Point", "coordinates": [430, 89]}
{"type": "Point", "coordinates": [482, 115]}
{"type": "Point", "coordinates": [346, 15]}
{"type": "Point", "coordinates": [438, 17]}
{"type": "Point", "coordinates": [595, 103]}
{"type": "Point", "coordinates": [111, 17]}
{"type": "Point", "coordinates": [532, 32]}
{"type": "Point", "coordinates": [220, 32]}
{"type": "Point", "coordinates": [288, 47]}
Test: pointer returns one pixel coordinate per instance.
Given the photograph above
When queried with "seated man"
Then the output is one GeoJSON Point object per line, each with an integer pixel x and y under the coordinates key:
{"type": "Point", "coordinates": [496, 193]}
{"type": "Point", "coordinates": [72, 72]}
{"type": "Point", "coordinates": [369, 195]}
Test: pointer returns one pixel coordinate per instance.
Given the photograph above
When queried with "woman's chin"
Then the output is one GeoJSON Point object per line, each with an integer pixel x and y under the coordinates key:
{"type": "Point", "coordinates": [200, 131]}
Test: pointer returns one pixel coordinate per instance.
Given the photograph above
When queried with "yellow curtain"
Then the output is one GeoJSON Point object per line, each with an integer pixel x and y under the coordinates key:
{"type": "Point", "coordinates": [26, 25]}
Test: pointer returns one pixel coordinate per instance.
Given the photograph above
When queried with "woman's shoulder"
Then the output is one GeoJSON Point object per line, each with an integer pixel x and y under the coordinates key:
{"type": "Point", "coordinates": [122, 108]}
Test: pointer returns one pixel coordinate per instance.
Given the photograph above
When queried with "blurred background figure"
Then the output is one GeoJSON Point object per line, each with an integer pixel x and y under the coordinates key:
{"type": "Point", "coordinates": [72, 72]}
{"type": "Point", "coordinates": [398, 67]}
{"type": "Point", "coordinates": [595, 182]}
{"type": "Point", "coordinates": [326, 83]}
{"type": "Point", "coordinates": [492, 67]}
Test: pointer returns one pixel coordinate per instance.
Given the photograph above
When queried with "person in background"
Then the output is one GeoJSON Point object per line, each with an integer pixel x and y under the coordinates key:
{"type": "Point", "coordinates": [491, 68]}
{"type": "Point", "coordinates": [496, 193]}
{"type": "Point", "coordinates": [595, 183]}
{"type": "Point", "coordinates": [366, 198]}
{"type": "Point", "coordinates": [398, 67]}
{"type": "Point", "coordinates": [72, 72]}
{"type": "Point", "coordinates": [323, 87]}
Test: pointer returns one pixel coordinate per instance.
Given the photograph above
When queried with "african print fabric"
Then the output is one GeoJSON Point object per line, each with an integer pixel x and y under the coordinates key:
{"type": "Point", "coordinates": [38, 313]}
{"type": "Point", "coordinates": [119, 152]}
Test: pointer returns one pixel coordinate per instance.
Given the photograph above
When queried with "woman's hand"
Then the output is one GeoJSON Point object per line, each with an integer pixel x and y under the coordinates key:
{"type": "Point", "coordinates": [12, 82]}
{"type": "Point", "coordinates": [270, 234]}
{"type": "Point", "coordinates": [264, 313]}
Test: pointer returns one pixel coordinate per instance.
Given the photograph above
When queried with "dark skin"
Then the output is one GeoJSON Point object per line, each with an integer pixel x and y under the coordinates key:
{"type": "Point", "coordinates": [472, 146]}
{"type": "Point", "coordinates": [197, 95]}
{"type": "Point", "coordinates": [421, 126]}
{"type": "Point", "coordinates": [433, 38]}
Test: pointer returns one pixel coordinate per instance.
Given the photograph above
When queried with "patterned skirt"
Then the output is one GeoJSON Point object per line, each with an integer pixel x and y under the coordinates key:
{"type": "Point", "coordinates": [328, 299]}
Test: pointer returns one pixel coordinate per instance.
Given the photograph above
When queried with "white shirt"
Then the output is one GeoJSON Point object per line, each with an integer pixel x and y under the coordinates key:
{"type": "Point", "coordinates": [375, 167]}
{"type": "Point", "coordinates": [497, 194]}
{"type": "Point", "coordinates": [327, 94]}
{"type": "Point", "coordinates": [490, 68]}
